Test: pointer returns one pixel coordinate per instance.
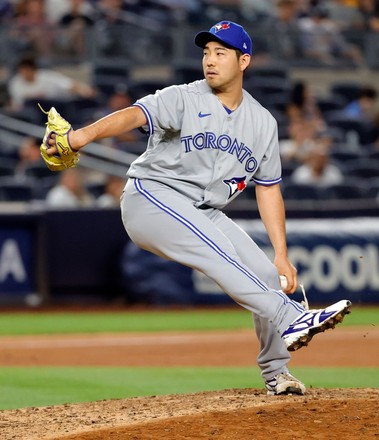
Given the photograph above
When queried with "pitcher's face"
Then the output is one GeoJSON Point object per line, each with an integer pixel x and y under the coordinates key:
{"type": "Point", "coordinates": [221, 65]}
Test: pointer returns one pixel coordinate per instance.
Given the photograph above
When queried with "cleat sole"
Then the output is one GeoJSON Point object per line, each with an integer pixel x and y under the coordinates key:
{"type": "Point", "coordinates": [292, 390]}
{"type": "Point", "coordinates": [304, 340]}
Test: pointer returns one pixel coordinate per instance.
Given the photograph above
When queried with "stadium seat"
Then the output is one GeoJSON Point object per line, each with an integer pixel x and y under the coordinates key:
{"type": "Point", "coordinates": [373, 153]}
{"type": "Point", "coordinates": [108, 85]}
{"type": "Point", "coordinates": [280, 117]}
{"type": "Point", "coordinates": [343, 153]}
{"type": "Point", "coordinates": [109, 75]}
{"type": "Point", "coordinates": [364, 168]}
{"type": "Point", "coordinates": [330, 104]}
{"type": "Point", "coordinates": [276, 101]}
{"type": "Point", "coordinates": [63, 106]}
{"type": "Point", "coordinates": [139, 89]}
{"type": "Point", "coordinates": [348, 91]}
{"type": "Point", "coordinates": [288, 167]}
{"type": "Point", "coordinates": [266, 86]}
{"type": "Point", "coordinates": [336, 134]}
{"type": "Point", "coordinates": [295, 191]}
{"type": "Point", "coordinates": [95, 189]}
{"type": "Point", "coordinates": [186, 71]}
{"type": "Point", "coordinates": [38, 171]}
{"type": "Point", "coordinates": [272, 72]}
{"type": "Point", "coordinates": [14, 190]}
{"type": "Point", "coordinates": [81, 104]}
{"type": "Point", "coordinates": [116, 68]}
{"type": "Point", "coordinates": [7, 167]}
{"type": "Point", "coordinates": [8, 152]}
{"type": "Point", "coordinates": [351, 189]}
{"type": "Point", "coordinates": [83, 109]}
{"type": "Point", "coordinates": [43, 185]}
{"type": "Point", "coordinates": [348, 124]}
{"type": "Point", "coordinates": [373, 185]}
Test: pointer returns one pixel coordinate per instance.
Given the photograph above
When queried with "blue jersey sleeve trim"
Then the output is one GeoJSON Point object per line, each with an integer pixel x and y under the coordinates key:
{"type": "Point", "coordinates": [266, 182]}
{"type": "Point", "coordinates": [148, 117]}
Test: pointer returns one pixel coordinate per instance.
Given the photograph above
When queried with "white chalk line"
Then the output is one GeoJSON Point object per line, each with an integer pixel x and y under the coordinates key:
{"type": "Point", "coordinates": [120, 341]}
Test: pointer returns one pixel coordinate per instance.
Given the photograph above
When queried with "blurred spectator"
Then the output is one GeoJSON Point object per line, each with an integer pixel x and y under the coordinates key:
{"type": "Point", "coordinates": [56, 9]}
{"type": "Point", "coordinates": [110, 21]}
{"type": "Point", "coordinates": [317, 169]}
{"type": "Point", "coordinates": [71, 36]}
{"type": "Point", "coordinates": [376, 131]}
{"type": "Point", "coordinates": [29, 155]}
{"type": "Point", "coordinates": [70, 192]}
{"type": "Point", "coordinates": [114, 187]}
{"type": "Point", "coordinates": [119, 100]}
{"type": "Point", "coordinates": [31, 13]}
{"type": "Point", "coordinates": [4, 95]}
{"type": "Point", "coordinates": [369, 11]}
{"type": "Point", "coordinates": [322, 42]}
{"type": "Point", "coordinates": [364, 107]}
{"type": "Point", "coordinates": [32, 31]}
{"type": "Point", "coordinates": [344, 15]}
{"type": "Point", "coordinates": [256, 8]}
{"type": "Point", "coordinates": [302, 105]}
{"type": "Point", "coordinates": [302, 138]}
{"type": "Point", "coordinates": [111, 10]}
{"type": "Point", "coordinates": [165, 12]}
{"type": "Point", "coordinates": [283, 29]}
{"type": "Point", "coordinates": [6, 11]}
{"type": "Point", "coordinates": [80, 12]}
{"type": "Point", "coordinates": [31, 82]}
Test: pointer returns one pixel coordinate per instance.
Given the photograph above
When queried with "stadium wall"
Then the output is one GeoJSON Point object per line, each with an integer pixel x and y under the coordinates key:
{"type": "Point", "coordinates": [83, 256]}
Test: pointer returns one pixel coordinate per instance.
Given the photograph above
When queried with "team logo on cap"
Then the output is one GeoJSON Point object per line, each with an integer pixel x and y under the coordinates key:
{"type": "Point", "coordinates": [221, 26]}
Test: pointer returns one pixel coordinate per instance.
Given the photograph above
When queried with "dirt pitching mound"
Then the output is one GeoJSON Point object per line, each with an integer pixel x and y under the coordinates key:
{"type": "Point", "coordinates": [246, 414]}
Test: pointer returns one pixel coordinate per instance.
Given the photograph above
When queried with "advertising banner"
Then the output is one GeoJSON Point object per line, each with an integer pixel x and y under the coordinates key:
{"type": "Point", "coordinates": [335, 259]}
{"type": "Point", "coordinates": [16, 268]}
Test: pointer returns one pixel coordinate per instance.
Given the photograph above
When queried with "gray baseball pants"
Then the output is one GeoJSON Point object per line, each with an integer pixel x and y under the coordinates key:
{"type": "Point", "coordinates": [163, 221]}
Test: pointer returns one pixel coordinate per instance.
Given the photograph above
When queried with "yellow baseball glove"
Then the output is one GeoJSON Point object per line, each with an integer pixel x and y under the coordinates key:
{"type": "Point", "coordinates": [66, 156]}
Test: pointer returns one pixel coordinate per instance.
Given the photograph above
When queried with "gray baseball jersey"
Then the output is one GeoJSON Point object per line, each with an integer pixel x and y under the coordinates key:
{"type": "Point", "coordinates": [202, 150]}
{"type": "Point", "coordinates": [200, 157]}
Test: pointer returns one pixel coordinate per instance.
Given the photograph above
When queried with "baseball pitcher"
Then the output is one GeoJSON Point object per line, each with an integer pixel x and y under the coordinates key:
{"type": "Point", "coordinates": [207, 141]}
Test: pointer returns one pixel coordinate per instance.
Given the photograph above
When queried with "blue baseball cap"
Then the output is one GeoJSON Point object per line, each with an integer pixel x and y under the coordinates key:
{"type": "Point", "coordinates": [229, 33]}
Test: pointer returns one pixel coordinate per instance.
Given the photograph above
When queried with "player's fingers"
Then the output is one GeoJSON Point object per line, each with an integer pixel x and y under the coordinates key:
{"type": "Point", "coordinates": [289, 284]}
{"type": "Point", "coordinates": [52, 150]}
{"type": "Point", "coordinates": [289, 289]}
{"type": "Point", "coordinates": [288, 272]}
{"type": "Point", "coordinates": [292, 284]}
{"type": "Point", "coordinates": [51, 140]}
{"type": "Point", "coordinates": [51, 145]}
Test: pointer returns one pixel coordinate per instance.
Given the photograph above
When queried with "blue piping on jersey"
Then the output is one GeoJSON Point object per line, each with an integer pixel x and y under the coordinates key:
{"type": "Point", "coordinates": [266, 182]}
{"type": "Point", "coordinates": [210, 243]}
{"type": "Point", "coordinates": [148, 116]}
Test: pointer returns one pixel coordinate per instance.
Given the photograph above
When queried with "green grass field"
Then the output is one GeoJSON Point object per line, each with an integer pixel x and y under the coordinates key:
{"type": "Point", "coordinates": [41, 386]}
{"type": "Point", "coordinates": [137, 321]}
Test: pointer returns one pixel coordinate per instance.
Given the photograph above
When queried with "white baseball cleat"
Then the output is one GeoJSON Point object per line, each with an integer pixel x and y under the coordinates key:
{"type": "Point", "coordinates": [311, 322]}
{"type": "Point", "coordinates": [284, 383]}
